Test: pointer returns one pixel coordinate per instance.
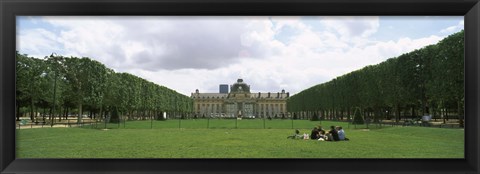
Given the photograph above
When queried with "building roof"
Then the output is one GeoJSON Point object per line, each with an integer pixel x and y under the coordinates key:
{"type": "Point", "coordinates": [240, 87]}
{"type": "Point", "coordinates": [209, 95]}
{"type": "Point", "coordinates": [252, 95]}
{"type": "Point", "coordinates": [272, 95]}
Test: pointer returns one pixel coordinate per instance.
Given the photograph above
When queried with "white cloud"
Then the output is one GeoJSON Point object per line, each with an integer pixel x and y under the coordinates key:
{"type": "Point", "coordinates": [453, 29]}
{"type": "Point", "coordinates": [352, 26]}
{"type": "Point", "coordinates": [38, 42]}
{"type": "Point", "coordinates": [152, 43]}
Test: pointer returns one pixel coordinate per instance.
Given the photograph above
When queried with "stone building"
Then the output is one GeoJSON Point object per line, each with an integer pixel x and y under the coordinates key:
{"type": "Point", "coordinates": [240, 102]}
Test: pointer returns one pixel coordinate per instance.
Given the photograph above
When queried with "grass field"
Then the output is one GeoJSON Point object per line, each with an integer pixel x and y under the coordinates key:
{"type": "Point", "coordinates": [217, 124]}
{"type": "Point", "coordinates": [137, 140]}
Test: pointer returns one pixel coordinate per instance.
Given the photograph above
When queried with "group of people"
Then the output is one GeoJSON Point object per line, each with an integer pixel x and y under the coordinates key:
{"type": "Point", "coordinates": [336, 133]}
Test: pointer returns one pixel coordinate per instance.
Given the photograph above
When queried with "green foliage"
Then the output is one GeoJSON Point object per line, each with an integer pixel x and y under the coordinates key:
{"type": "Point", "coordinates": [83, 84]}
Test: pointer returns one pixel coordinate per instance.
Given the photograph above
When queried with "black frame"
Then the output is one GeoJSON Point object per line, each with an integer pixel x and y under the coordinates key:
{"type": "Point", "coordinates": [10, 8]}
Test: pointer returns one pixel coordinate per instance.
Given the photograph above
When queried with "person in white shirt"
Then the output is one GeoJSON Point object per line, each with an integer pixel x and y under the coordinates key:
{"type": "Point", "coordinates": [341, 133]}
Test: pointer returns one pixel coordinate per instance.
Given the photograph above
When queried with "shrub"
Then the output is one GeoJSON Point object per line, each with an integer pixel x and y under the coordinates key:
{"type": "Point", "coordinates": [114, 117]}
{"type": "Point", "coordinates": [315, 117]}
{"type": "Point", "coordinates": [357, 118]}
{"type": "Point", "coordinates": [160, 117]}
{"type": "Point", "coordinates": [295, 116]}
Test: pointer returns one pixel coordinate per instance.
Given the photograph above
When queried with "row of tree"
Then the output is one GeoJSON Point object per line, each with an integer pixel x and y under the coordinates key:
{"type": "Point", "coordinates": [57, 86]}
{"type": "Point", "coordinates": [426, 81]}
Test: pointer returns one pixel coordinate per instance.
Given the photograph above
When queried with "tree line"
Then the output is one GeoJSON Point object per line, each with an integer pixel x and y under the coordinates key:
{"type": "Point", "coordinates": [57, 86]}
{"type": "Point", "coordinates": [426, 81]}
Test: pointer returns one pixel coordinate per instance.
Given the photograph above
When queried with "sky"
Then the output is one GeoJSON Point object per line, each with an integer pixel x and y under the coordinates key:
{"type": "Point", "coordinates": [270, 53]}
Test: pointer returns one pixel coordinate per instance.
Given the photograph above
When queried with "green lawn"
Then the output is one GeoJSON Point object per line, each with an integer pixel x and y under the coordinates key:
{"type": "Point", "coordinates": [137, 140]}
{"type": "Point", "coordinates": [217, 124]}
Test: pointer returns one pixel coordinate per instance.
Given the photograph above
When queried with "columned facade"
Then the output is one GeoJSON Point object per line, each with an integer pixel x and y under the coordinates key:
{"type": "Point", "coordinates": [240, 102]}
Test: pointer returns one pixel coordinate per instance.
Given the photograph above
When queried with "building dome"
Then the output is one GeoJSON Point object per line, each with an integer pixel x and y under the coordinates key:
{"type": "Point", "coordinates": [240, 87]}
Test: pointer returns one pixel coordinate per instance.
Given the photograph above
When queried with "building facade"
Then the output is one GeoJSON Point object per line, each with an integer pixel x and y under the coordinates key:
{"type": "Point", "coordinates": [240, 102]}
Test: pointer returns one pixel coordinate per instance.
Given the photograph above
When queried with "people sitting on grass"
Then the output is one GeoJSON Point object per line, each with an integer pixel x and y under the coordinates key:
{"type": "Point", "coordinates": [321, 135]}
{"type": "Point", "coordinates": [336, 133]}
{"type": "Point", "coordinates": [332, 134]}
{"type": "Point", "coordinates": [341, 133]}
{"type": "Point", "coordinates": [320, 128]}
{"type": "Point", "coordinates": [314, 135]}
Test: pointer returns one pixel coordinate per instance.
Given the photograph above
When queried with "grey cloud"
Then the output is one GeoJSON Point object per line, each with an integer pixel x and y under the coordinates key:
{"type": "Point", "coordinates": [110, 55]}
{"type": "Point", "coordinates": [143, 58]}
{"type": "Point", "coordinates": [189, 43]}
{"type": "Point", "coordinates": [170, 43]}
{"type": "Point", "coordinates": [358, 28]}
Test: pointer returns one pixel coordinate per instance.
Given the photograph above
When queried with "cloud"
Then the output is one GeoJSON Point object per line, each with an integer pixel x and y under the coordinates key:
{"type": "Point", "coordinates": [259, 38]}
{"type": "Point", "coordinates": [453, 29]}
{"type": "Point", "coordinates": [155, 43]}
{"type": "Point", "coordinates": [194, 44]}
{"type": "Point", "coordinates": [352, 26]}
{"type": "Point", "coordinates": [38, 42]}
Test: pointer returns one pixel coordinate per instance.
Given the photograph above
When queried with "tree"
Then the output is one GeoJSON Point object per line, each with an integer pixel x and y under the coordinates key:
{"type": "Point", "coordinates": [88, 85]}
{"type": "Point", "coordinates": [31, 83]}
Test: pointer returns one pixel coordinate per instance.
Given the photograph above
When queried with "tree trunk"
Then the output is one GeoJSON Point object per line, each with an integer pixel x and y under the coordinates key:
{"type": "Point", "coordinates": [43, 114]}
{"type": "Point", "coordinates": [50, 116]}
{"type": "Point", "coordinates": [343, 114]}
{"type": "Point", "coordinates": [397, 113]}
{"type": "Point", "coordinates": [446, 113]}
{"type": "Point", "coordinates": [60, 114]}
{"type": "Point", "coordinates": [18, 113]}
{"type": "Point", "coordinates": [460, 114]}
{"type": "Point", "coordinates": [99, 113]}
{"type": "Point", "coordinates": [413, 112]}
{"type": "Point", "coordinates": [376, 115]}
{"type": "Point", "coordinates": [348, 114]}
{"type": "Point", "coordinates": [66, 113]}
{"type": "Point", "coordinates": [79, 118]}
{"type": "Point", "coordinates": [425, 108]}
{"type": "Point", "coordinates": [31, 108]}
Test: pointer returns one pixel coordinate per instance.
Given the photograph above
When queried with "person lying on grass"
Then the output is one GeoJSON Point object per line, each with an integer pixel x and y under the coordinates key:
{"type": "Point", "coordinates": [296, 135]}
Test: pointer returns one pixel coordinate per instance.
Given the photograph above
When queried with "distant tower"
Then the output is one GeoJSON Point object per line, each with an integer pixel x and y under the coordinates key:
{"type": "Point", "coordinates": [223, 89]}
